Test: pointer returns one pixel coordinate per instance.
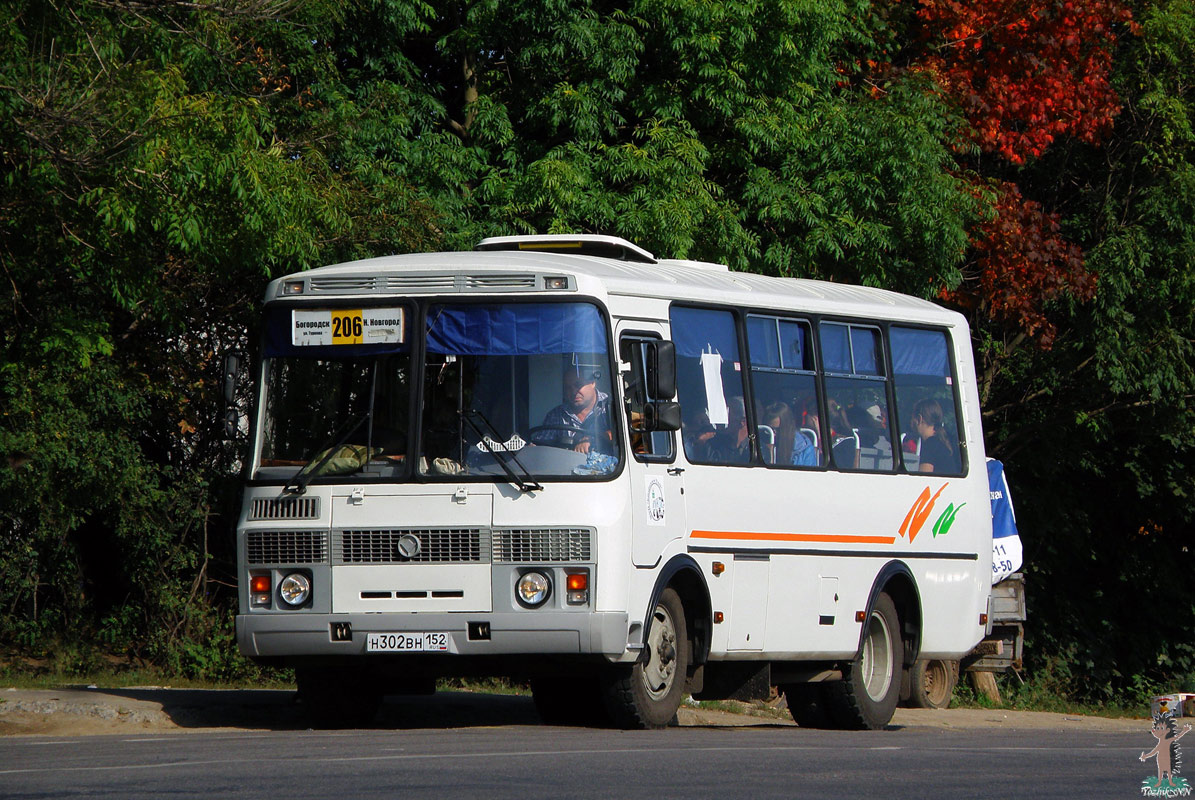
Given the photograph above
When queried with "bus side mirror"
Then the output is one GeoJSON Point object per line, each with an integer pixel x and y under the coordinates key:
{"type": "Point", "coordinates": [662, 416]}
{"type": "Point", "coordinates": [661, 372]}
{"type": "Point", "coordinates": [232, 371]}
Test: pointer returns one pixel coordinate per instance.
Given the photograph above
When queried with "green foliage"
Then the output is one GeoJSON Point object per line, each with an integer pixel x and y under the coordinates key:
{"type": "Point", "coordinates": [1098, 432]}
{"type": "Point", "coordinates": [161, 161]}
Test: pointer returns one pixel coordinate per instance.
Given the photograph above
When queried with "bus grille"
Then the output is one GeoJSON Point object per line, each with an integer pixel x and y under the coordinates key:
{"type": "Point", "coordinates": [434, 283]}
{"type": "Point", "coordinates": [420, 283]}
{"type": "Point", "coordinates": [482, 283]}
{"type": "Point", "coordinates": [542, 544]}
{"type": "Point", "coordinates": [444, 546]}
{"type": "Point", "coordinates": [284, 508]}
{"type": "Point", "coordinates": [286, 547]}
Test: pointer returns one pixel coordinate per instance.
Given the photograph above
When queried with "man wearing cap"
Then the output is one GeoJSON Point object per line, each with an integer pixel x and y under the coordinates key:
{"type": "Point", "coordinates": [582, 421]}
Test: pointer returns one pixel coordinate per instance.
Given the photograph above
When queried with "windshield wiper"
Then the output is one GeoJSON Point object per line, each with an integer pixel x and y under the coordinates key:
{"type": "Point", "coordinates": [298, 484]}
{"type": "Point", "coordinates": [527, 483]}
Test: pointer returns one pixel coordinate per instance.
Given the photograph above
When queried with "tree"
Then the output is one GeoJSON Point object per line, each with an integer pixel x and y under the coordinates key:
{"type": "Point", "coordinates": [160, 162]}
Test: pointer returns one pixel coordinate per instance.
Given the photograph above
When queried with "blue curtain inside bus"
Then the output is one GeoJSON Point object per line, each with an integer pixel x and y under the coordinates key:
{"type": "Point", "coordinates": [919, 352]}
{"type": "Point", "coordinates": [699, 330]}
{"type": "Point", "coordinates": [515, 329]}
{"type": "Point", "coordinates": [836, 347]}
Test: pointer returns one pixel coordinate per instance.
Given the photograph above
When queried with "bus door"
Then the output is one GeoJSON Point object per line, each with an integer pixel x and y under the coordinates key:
{"type": "Point", "coordinates": [657, 480]}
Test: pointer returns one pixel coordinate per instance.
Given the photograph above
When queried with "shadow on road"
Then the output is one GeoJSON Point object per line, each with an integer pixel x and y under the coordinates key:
{"type": "Point", "coordinates": [272, 709]}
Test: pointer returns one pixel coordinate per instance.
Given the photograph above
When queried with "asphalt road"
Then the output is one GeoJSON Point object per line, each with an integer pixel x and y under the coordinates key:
{"type": "Point", "coordinates": [491, 747]}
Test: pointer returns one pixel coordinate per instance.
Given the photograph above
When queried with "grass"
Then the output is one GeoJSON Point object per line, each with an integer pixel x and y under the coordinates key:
{"type": "Point", "coordinates": [755, 708]}
{"type": "Point", "coordinates": [1037, 695]}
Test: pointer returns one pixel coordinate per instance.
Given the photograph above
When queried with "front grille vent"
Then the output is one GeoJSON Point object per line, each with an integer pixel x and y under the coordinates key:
{"type": "Point", "coordinates": [286, 547]}
{"type": "Point", "coordinates": [284, 508]}
{"type": "Point", "coordinates": [543, 544]}
{"type": "Point", "coordinates": [442, 283]}
{"type": "Point", "coordinates": [441, 546]}
{"type": "Point", "coordinates": [483, 283]}
{"type": "Point", "coordinates": [420, 283]}
{"type": "Point", "coordinates": [343, 284]}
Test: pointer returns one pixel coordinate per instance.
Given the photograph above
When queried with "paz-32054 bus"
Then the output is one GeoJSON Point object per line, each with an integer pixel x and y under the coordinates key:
{"type": "Point", "coordinates": [617, 477]}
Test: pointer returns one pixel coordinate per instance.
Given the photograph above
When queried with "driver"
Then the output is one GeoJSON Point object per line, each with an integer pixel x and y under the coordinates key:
{"type": "Point", "coordinates": [582, 421]}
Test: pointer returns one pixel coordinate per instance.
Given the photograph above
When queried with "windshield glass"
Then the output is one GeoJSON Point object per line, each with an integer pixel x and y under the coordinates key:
{"type": "Point", "coordinates": [333, 408]}
{"type": "Point", "coordinates": [520, 388]}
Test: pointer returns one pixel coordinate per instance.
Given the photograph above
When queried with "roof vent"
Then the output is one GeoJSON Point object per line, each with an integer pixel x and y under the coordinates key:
{"type": "Point", "coordinates": [580, 244]}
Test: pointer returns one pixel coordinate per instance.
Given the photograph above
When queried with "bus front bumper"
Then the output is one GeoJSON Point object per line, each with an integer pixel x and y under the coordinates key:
{"type": "Point", "coordinates": [511, 633]}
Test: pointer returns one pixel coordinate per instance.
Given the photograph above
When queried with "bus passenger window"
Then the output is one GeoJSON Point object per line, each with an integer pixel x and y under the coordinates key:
{"type": "Point", "coordinates": [715, 427]}
{"type": "Point", "coordinates": [926, 399]}
{"type": "Point", "coordinates": [859, 428]}
{"type": "Point", "coordinates": [783, 382]}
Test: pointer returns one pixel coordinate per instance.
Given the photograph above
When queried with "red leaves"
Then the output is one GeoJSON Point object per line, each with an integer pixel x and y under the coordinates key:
{"type": "Point", "coordinates": [1026, 71]}
{"type": "Point", "coordinates": [1021, 264]}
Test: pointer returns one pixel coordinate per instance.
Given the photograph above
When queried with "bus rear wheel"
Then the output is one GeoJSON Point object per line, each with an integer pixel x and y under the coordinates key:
{"type": "Point", "coordinates": [931, 683]}
{"type": "Point", "coordinates": [866, 696]}
{"type": "Point", "coordinates": [648, 694]}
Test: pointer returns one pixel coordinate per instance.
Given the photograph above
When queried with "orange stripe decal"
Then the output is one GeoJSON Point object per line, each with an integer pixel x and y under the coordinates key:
{"type": "Point", "coordinates": [834, 538]}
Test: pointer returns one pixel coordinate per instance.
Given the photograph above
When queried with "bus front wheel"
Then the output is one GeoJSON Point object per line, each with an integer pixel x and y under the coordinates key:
{"type": "Point", "coordinates": [648, 694]}
{"type": "Point", "coordinates": [866, 696]}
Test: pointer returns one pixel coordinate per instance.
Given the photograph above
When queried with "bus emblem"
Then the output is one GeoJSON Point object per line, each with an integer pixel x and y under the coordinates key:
{"type": "Point", "coordinates": [655, 502]}
{"type": "Point", "coordinates": [920, 512]}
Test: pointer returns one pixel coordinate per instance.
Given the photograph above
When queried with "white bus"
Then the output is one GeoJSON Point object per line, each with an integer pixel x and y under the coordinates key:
{"type": "Point", "coordinates": [620, 478]}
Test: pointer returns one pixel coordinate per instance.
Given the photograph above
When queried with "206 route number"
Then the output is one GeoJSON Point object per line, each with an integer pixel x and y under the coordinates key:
{"type": "Point", "coordinates": [406, 642]}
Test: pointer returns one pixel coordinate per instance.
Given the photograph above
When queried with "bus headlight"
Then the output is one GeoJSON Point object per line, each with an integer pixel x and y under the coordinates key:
{"type": "Point", "coordinates": [295, 589]}
{"type": "Point", "coordinates": [533, 589]}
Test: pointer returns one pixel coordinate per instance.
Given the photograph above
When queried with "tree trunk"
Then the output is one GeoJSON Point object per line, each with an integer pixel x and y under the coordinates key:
{"type": "Point", "coordinates": [984, 683]}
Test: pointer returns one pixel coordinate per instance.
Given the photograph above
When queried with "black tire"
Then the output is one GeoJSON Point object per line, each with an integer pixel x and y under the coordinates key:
{"type": "Point", "coordinates": [866, 696]}
{"type": "Point", "coordinates": [648, 694]}
{"type": "Point", "coordinates": [807, 702]}
{"type": "Point", "coordinates": [569, 701]}
{"type": "Point", "coordinates": [338, 698]}
{"type": "Point", "coordinates": [931, 683]}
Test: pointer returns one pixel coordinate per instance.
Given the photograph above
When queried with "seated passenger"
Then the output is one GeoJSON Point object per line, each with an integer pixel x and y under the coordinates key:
{"type": "Point", "coordinates": [780, 418]}
{"type": "Point", "coordinates": [696, 434]}
{"type": "Point", "coordinates": [844, 442]}
{"type": "Point", "coordinates": [868, 423]}
{"type": "Point", "coordinates": [806, 452]}
{"type": "Point", "coordinates": [732, 445]}
{"type": "Point", "coordinates": [582, 421]}
{"type": "Point", "coordinates": [937, 452]}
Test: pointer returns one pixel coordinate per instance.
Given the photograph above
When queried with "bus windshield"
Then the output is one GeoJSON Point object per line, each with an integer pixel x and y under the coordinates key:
{"type": "Point", "coordinates": [517, 387]}
{"type": "Point", "coordinates": [511, 391]}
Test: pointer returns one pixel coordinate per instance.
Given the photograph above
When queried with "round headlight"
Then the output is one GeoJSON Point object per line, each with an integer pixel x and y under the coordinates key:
{"type": "Point", "coordinates": [295, 589]}
{"type": "Point", "coordinates": [533, 588]}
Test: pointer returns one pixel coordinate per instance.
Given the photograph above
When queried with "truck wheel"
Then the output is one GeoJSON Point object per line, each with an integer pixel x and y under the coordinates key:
{"type": "Point", "coordinates": [807, 704]}
{"type": "Point", "coordinates": [338, 698]}
{"type": "Point", "coordinates": [866, 696]}
{"type": "Point", "coordinates": [648, 694]}
{"type": "Point", "coordinates": [931, 683]}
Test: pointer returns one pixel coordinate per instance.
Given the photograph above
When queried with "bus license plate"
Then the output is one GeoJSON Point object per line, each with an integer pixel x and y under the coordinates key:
{"type": "Point", "coordinates": [406, 643]}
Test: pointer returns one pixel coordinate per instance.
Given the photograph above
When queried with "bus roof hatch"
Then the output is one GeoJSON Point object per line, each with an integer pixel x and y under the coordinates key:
{"type": "Point", "coordinates": [578, 244]}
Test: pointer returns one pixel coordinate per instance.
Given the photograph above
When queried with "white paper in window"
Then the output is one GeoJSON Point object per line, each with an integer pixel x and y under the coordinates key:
{"type": "Point", "coordinates": [711, 369]}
